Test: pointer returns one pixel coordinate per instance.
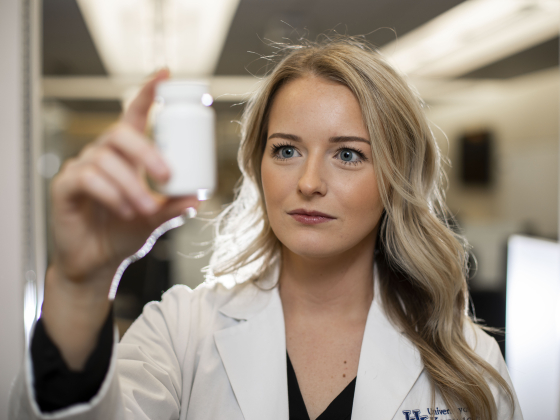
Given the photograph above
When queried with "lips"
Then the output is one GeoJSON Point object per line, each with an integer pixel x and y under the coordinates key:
{"type": "Point", "coordinates": [310, 217]}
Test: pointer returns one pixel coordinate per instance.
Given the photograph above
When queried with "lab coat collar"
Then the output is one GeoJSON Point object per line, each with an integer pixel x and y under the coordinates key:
{"type": "Point", "coordinates": [254, 355]}
{"type": "Point", "coordinates": [389, 366]}
{"type": "Point", "coordinates": [254, 350]}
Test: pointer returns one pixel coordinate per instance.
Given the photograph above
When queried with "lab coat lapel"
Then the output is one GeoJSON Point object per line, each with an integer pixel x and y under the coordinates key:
{"type": "Point", "coordinates": [254, 353]}
{"type": "Point", "coordinates": [388, 368]}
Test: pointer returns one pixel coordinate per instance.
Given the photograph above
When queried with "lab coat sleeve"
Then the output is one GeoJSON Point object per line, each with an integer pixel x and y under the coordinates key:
{"type": "Point", "coordinates": [144, 380]}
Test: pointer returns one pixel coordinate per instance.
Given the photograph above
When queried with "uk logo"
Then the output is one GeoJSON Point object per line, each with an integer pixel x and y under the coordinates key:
{"type": "Point", "coordinates": [415, 415]}
{"type": "Point", "coordinates": [434, 414]}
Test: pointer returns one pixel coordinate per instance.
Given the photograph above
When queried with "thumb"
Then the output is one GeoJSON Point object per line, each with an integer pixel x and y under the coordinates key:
{"type": "Point", "coordinates": [137, 113]}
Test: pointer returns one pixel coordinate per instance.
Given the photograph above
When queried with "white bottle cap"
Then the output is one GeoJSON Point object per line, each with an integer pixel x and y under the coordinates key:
{"type": "Point", "coordinates": [173, 90]}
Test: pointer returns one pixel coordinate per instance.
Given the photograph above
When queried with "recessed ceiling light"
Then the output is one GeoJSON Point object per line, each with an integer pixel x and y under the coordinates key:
{"type": "Point", "coordinates": [473, 34]}
{"type": "Point", "coordinates": [137, 37]}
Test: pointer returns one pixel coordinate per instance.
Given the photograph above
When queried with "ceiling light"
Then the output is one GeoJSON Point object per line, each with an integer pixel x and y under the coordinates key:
{"type": "Point", "coordinates": [137, 37]}
{"type": "Point", "coordinates": [473, 34]}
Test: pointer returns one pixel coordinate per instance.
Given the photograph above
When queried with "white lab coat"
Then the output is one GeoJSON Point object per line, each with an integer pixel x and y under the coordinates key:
{"type": "Point", "coordinates": [220, 353]}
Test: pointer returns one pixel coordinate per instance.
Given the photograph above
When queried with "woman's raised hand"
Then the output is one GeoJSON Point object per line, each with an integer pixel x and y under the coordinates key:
{"type": "Point", "coordinates": [102, 211]}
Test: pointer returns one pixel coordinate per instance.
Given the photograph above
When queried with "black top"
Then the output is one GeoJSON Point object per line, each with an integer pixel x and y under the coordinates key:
{"type": "Point", "coordinates": [57, 387]}
{"type": "Point", "coordinates": [339, 409]}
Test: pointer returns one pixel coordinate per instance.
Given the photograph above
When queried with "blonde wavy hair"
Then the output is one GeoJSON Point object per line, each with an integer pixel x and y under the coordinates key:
{"type": "Point", "coordinates": [422, 262]}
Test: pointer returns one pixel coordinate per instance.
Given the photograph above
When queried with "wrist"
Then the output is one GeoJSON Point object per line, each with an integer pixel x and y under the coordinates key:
{"type": "Point", "coordinates": [93, 286]}
{"type": "Point", "coordinates": [73, 314]}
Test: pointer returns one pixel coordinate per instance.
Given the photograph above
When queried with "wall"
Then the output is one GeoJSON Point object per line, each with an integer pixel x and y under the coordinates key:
{"type": "Point", "coordinates": [11, 298]}
{"type": "Point", "coordinates": [522, 114]}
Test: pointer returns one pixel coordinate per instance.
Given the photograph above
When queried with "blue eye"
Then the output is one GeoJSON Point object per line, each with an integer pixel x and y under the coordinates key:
{"type": "Point", "coordinates": [287, 152]}
{"type": "Point", "coordinates": [350, 156]}
{"type": "Point", "coordinates": [346, 155]}
{"type": "Point", "coordinates": [284, 151]}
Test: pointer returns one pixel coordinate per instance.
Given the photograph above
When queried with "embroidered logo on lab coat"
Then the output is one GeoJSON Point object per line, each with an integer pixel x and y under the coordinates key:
{"type": "Point", "coordinates": [436, 414]}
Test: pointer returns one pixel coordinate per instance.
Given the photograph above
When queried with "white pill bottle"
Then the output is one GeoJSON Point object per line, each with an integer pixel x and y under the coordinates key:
{"type": "Point", "coordinates": [184, 131]}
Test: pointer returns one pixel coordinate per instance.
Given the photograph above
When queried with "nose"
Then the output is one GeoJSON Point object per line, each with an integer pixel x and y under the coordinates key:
{"type": "Point", "coordinates": [311, 181]}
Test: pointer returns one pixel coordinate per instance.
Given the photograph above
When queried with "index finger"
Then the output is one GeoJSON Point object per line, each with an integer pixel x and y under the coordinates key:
{"type": "Point", "coordinates": [136, 114]}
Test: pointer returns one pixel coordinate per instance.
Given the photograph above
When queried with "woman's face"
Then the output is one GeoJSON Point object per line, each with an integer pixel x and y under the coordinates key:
{"type": "Point", "coordinates": [317, 172]}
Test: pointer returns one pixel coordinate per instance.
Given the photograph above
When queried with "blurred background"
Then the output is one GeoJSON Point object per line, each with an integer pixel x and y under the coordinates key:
{"type": "Point", "coordinates": [487, 70]}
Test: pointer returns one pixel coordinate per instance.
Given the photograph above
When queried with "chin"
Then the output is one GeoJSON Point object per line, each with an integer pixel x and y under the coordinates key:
{"type": "Point", "coordinates": [315, 254]}
{"type": "Point", "coordinates": [315, 248]}
{"type": "Point", "coordinates": [321, 245]}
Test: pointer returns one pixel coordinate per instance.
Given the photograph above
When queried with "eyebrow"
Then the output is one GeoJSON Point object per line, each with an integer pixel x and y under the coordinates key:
{"type": "Point", "coordinates": [337, 139]}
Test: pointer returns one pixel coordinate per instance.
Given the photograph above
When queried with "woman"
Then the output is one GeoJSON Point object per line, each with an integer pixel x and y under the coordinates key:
{"type": "Point", "coordinates": [351, 295]}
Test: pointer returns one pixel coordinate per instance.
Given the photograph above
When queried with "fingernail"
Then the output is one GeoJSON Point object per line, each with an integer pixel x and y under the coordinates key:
{"type": "Point", "coordinates": [159, 167]}
{"type": "Point", "coordinates": [148, 204]}
{"type": "Point", "coordinates": [163, 72]}
{"type": "Point", "coordinates": [163, 171]}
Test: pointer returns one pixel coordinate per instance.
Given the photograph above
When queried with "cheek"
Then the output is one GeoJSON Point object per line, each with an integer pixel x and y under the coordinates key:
{"type": "Point", "coordinates": [275, 185]}
{"type": "Point", "coordinates": [267, 180]}
{"type": "Point", "coordinates": [361, 200]}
